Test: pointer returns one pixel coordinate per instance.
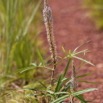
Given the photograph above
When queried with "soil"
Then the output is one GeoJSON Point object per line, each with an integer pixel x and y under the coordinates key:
{"type": "Point", "coordinates": [72, 27]}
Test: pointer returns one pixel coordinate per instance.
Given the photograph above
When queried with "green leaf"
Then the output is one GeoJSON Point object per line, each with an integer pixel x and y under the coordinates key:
{"type": "Point", "coordinates": [67, 67]}
{"type": "Point", "coordinates": [59, 83]}
{"type": "Point", "coordinates": [40, 66]}
{"type": "Point", "coordinates": [61, 93]}
{"type": "Point", "coordinates": [81, 98]}
{"type": "Point", "coordinates": [26, 69]}
{"type": "Point", "coordinates": [61, 99]}
{"type": "Point", "coordinates": [40, 57]}
{"type": "Point", "coordinates": [84, 91]}
{"type": "Point", "coordinates": [88, 62]}
{"type": "Point", "coordinates": [25, 30]}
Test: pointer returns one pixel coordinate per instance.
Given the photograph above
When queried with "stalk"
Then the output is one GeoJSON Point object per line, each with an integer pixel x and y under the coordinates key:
{"type": "Point", "coordinates": [73, 82]}
{"type": "Point", "coordinates": [48, 20]}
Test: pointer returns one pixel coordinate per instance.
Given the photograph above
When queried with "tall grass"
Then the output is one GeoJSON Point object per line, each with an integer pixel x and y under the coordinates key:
{"type": "Point", "coordinates": [19, 42]}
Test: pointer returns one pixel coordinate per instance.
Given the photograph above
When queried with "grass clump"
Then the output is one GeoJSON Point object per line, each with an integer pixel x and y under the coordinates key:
{"type": "Point", "coordinates": [62, 89]}
{"type": "Point", "coordinates": [48, 88]}
{"type": "Point", "coordinates": [19, 42]}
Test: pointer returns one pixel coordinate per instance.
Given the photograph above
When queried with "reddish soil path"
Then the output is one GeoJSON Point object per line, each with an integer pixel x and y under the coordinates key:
{"type": "Point", "coordinates": [73, 27]}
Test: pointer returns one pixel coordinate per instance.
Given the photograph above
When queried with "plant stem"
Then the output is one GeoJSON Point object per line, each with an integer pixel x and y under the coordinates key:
{"type": "Point", "coordinates": [48, 20]}
{"type": "Point", "coordinates": [73, 82]}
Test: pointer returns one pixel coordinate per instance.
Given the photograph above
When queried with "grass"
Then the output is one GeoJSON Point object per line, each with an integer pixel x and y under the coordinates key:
{"type": "Point", "coordinates": [22, 80]}
{"type": "Point", "coordinates": [19, 42]}
{"type": "Point", "coordinates": [63, 88]}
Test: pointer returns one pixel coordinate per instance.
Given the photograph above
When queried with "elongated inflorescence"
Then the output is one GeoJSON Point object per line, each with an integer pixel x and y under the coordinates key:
{"type": "Point", "coordinates": [48, 20]}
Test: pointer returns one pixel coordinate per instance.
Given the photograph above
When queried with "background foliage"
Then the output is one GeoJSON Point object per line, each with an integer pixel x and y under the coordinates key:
{"type": "Point", "coordinates": [96, 11]}
{"type": "Point", "coordinates": [19, 42]}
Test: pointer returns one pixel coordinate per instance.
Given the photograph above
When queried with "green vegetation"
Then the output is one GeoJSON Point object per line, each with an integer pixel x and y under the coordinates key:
{"type": "Point", "coordinates": [19, 44]}
{"type": "Point", "coordinates": [26, 76]}
{"type": "Point", "coordinates": [95, 8]}
{"type": "Point", "coordinates": [64, 88]}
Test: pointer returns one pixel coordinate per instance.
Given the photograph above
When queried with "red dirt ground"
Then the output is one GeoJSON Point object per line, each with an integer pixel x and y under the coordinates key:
{"type": "Point", "coordinates": [72, 27]}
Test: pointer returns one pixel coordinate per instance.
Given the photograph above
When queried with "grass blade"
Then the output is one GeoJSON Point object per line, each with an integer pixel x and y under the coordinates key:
{"type": "Point", "coordinates": [40, 57]}
{"type": "Point", "coordinates": [83, 91]}
{"type": "Point", "coordinates": [59, 100]}
{"type": "Point", "coordinates": [88, 62]}
{"type": "Point", "coordinates": [81, 98]}
{"type": "Point", "coordinates": [59, 83]}
{"type": "Point", "coordinates": [23, 31]}
{"type": "Point", "coordinates": [67, 67]}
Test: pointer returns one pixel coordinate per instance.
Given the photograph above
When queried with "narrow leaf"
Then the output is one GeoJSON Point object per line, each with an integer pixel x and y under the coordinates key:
{"type": "Point", "coordinates": [67, 67]}
{"type": "Point", "coordinates": [88, 62]}
{"type": "Point", "coordinates": [59, 83]}
{"type": "Point", "coordinates": [83, 91]}
{"type": "Point", "coordinates": [83, 51]}
{"type": "Point", "coordinates": [80, 46]}
{"type": "Point", "coordinates": [27, 69]}
{"type": "Point", "coordinates": [61, 99]}
{"type": "Point", "coordinates": [81, 98]}
{"type": "Point", "coordinates": [40, 56]}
